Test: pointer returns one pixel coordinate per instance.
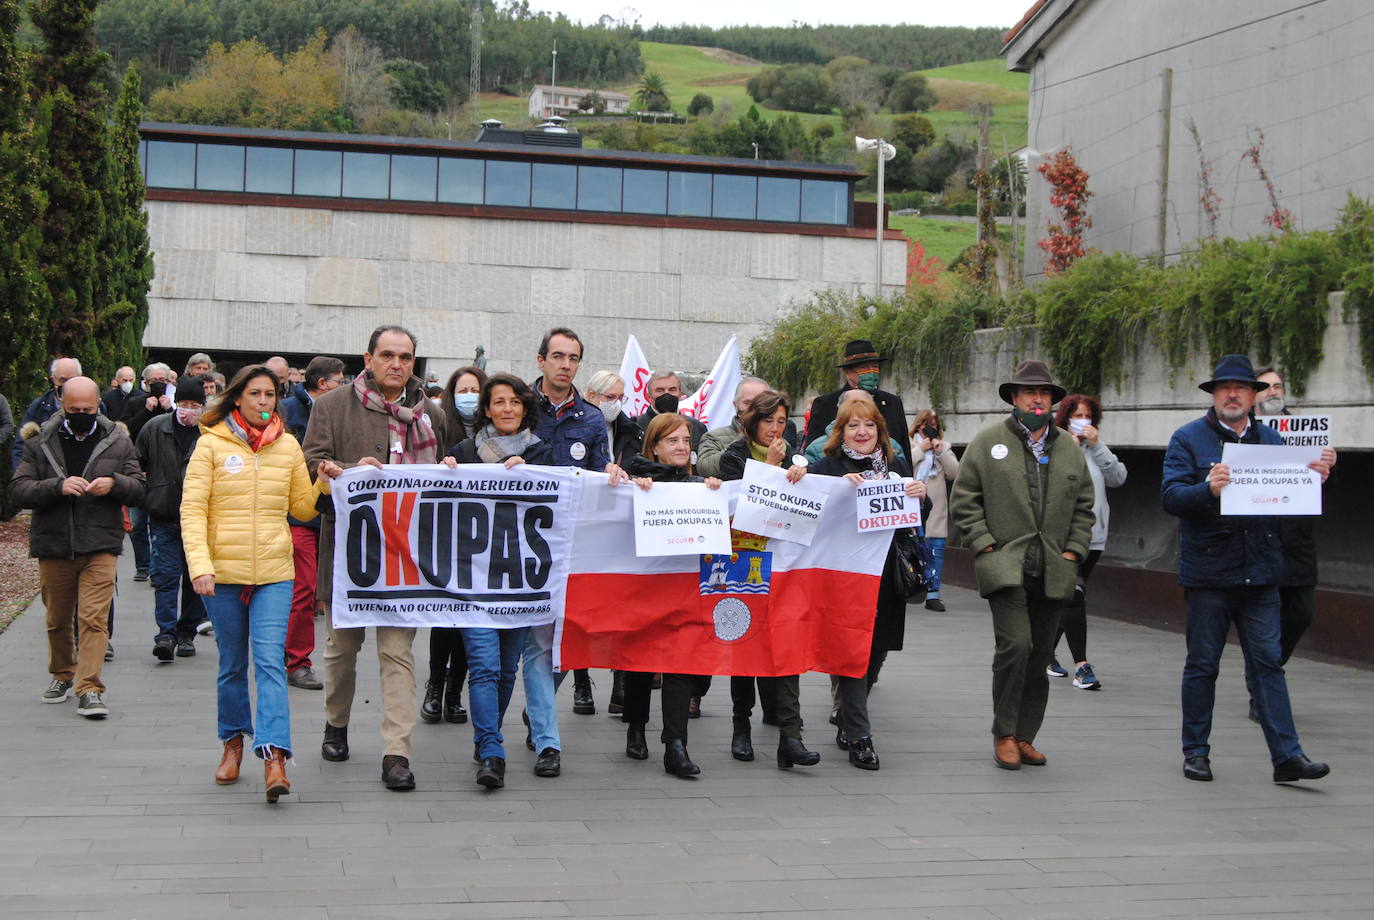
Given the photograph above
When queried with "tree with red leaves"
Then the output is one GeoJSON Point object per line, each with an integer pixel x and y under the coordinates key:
{"type": "Point", "coordinates": [1069, 195]}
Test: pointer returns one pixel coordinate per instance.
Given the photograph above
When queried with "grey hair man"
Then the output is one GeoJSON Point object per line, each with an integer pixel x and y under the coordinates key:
{"type": "Point", "coordinates": [49, 403]}
{"type": "Point", "coordinates": [714, 442]}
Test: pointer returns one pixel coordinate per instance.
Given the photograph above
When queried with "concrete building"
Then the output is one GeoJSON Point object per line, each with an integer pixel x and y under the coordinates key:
{"type": "Point", "coordinates": [271, 242]}
{"type": "Point", "coordinates": [1126, 85]}
{"type": "Point", "coordinates": [546, 101]}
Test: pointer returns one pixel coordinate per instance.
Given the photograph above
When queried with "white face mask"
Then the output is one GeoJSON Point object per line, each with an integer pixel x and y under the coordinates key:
{"type": "Point", "coordinates": [126, 387]}
{"type": "Point", "coordinates": [611, 408]}
{"type": "Point", "coordinates": [1077, 425]}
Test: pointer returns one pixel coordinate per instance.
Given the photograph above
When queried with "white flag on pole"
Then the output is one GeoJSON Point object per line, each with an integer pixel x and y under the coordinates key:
{"type": "Point", "coordinates": [634, 370]}
{"type": "Point", "coordinates": [714, 404]}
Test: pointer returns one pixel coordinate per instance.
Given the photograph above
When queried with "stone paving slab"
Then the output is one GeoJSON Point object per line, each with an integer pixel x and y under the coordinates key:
{"type": "Point", "coordinates": [121, 819]}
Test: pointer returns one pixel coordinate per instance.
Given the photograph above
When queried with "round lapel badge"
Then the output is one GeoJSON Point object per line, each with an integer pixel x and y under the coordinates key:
{"type": "Point", "coordinates": [999, 451]}
{"type": "Point", "coordinates": [578, 450]}
{"type": "Point", "coordinates": [233, 464]}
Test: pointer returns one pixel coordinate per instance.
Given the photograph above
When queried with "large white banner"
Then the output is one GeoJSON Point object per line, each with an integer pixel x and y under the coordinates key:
{"type": "Point", "coordinates": [714, 404]}
{"type": "Point", "coordinates": [634, 370]}
{"type": "Point", "coordinates": [425, 545]}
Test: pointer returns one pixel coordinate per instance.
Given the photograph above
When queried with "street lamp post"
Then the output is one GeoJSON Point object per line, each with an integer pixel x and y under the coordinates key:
{"type": "Point", "coordinates": [885, 152]}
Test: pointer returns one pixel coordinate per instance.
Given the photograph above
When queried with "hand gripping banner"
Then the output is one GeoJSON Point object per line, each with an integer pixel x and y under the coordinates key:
{"type": "Point", "coordinates": [428, 546]}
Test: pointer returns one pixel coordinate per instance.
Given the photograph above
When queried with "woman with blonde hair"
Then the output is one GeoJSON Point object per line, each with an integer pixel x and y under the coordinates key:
{"type": "Point", "coordinates": [244, 477]}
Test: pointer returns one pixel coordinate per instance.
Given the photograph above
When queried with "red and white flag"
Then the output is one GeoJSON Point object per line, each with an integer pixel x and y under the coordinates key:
{"type": "Point", "coordinates": [634, 370]}
{"type": "Point", "coordinates": [714, 404]}
{"type": "Point", "coordinates": [784, 609]}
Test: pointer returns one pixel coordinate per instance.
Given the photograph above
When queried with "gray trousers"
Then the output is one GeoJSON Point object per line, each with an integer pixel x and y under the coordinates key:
{"type": "Point", "coordinates": [1026, 624]}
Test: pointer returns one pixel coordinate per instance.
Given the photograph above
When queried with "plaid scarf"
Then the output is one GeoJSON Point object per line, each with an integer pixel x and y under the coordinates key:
{"type": "Point", "coordinates": [409, 430]}
{"type": "Point", "coordinates": [879, 470]}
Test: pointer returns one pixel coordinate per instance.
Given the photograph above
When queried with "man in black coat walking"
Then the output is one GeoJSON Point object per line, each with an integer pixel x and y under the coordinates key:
{"type": "Point", "coordinates": [861, 368]}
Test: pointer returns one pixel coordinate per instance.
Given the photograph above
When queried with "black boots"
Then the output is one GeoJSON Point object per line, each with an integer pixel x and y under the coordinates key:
{"type": "Point", "coordinates": [636, 748]}
{"type": "Point", "coordinates": [676, 761]}
{"type": "Point", "coordinates": [741, 745]}
{"type": "Point", "coordinates": [432, 707]}
{"type": "Point", "coordinates": [862, 755]}
{"type": "Point", "coordinates": [791, 752]}
{"type": "Point", "coordinates": [584, 704]}
{"type": "Point", "coordinates": [335, 746]}
{"type": "Point", "coordinates": [453, 700]}
{"type": "Point", "coordinates": [617, 703]}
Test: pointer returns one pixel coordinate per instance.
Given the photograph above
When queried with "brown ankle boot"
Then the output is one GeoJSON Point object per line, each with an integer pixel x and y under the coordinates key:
{"type": "Point", "coordinates": [228, 772]}
{"type": "Point", "coordinates": [274, 774]}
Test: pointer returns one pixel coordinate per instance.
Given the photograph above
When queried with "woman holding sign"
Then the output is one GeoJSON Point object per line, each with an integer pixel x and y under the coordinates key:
{"type": "Point", "coordinates": [762, 438]}
{"type": "Point", "coordinates": [242, 480]}
{"type": "Point", "coordinates": [858, 450]}
{"type": "Point", "coordinates": [667, 457]}
{"type": "Point", "coordinates": [506, 413]}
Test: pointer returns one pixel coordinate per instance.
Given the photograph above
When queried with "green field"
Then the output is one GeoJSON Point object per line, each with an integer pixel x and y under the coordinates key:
{"type": "Point", "coordinates": [943, 239]}
{"type": "Point", "coordinates": [722, 75]}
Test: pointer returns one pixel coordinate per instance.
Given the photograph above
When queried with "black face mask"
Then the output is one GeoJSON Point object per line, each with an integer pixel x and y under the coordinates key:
{"type": "Point", "coordinates": [665, 402]}
{"type": "Point", "coordinates": [157, 388]}
{"type": "Point", "coordinates": [80, 423]}
{"type": "Point", "coordinates": [931, 432]}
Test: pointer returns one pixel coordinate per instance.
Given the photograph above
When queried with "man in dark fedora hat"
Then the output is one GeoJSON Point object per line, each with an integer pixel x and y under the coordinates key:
{"type": "Point", "coordinates": [1023, 503]}
{"type": "Point", "coordinates": [861, 368]}
{"type": "Point", "coordinates": [1230, 567]}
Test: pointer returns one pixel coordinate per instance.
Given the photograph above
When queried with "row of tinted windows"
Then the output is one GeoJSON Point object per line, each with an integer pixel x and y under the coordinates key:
{"type": "Point", "coordinates": [403, 177]}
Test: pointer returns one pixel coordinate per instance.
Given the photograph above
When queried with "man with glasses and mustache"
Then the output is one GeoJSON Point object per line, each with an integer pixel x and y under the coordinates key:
{"type": "Point", "coordinates": [1230, 568]}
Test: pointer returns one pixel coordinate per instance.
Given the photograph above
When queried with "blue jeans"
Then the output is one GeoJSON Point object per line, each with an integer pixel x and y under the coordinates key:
{"type": "Point", "coordinates": [539, 688]}
{"type": "Point", "coordinates": [1255, 611]}
{"type": "Point", "coordinates": [172, 582]}
{"type": "Point", "coordinates": [261, 624]}
{"type": "Point", "coordinates": [937, 553]}
{"type": "Point", "coordinates": [493, 657]}
{"type": "Point", "coordinates": [138, 536]}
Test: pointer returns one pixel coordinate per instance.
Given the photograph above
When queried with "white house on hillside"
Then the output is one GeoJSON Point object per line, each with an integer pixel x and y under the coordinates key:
{"type": "Point", "coordinates": [564, 100]}
{"type": "Point", "coordinates": [1144, 93]}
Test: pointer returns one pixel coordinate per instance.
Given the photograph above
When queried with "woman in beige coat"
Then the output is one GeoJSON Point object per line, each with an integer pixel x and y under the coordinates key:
{"type": "Point", "coordinates": [935, 464]}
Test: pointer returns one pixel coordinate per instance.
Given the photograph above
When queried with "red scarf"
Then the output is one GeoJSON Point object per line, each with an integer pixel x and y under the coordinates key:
{"type": "Point", "coordinates": [257, 438]}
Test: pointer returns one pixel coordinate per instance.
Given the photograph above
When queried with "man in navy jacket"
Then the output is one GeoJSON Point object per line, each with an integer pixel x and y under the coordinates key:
{"type": "Point", "coordinates": [1230, 568]}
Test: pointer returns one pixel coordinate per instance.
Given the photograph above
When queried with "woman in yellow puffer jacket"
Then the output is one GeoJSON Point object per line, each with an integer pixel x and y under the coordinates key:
{"type": "Point", "coordinates": [245, 475]}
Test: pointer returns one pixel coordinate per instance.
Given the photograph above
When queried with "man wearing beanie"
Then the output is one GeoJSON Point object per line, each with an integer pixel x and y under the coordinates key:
{"type": "Point", "coordinates": [1023, 503]}
{"type": "Point", "coordinates": [164, 446]}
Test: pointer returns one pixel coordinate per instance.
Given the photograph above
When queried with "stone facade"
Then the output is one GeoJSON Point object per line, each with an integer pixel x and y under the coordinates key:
{"type": "Point", "coordinates": [256, 278]}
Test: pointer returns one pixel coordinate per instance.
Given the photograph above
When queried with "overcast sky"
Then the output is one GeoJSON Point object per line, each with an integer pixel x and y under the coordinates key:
{"type": "Point", "coordinates": [778, 13]}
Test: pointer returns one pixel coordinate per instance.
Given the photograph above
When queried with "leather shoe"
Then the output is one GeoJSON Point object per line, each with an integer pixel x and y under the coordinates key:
{"type": "Point", "coordinates": [396, 773]}
{"type": "Point", "coordinates": [1296, 768]}
{"type": "Point", "coordinates": [432, 707]}
{"type": "Point", "coordinates": [164, 647]}
{"type": "Point", "coordinates": [1029, 755]}
{"type": "Point", "coordinates": [841, 741]}
{"type": "Point", "coordinates": [549, 763]}
{"type": "Point", "coordinates": [636, 748]}
{"type": "Point", "coordinates": [935, 604]}
{"type": "Point", "coordinates": [1198, 767]}
{"type": "Point", "coordinates": [335, 746]}
{"type": "Point", "coordinates": [694, 707]}
{"type": "Point", "coordinates": [862, 755]}
{"type": "Point", "coordinates": [305, 679]}
{"type": "Point", "coordinates": [584, 704]}
{"type": "Point", "coordinates": [1006, 753]}
{"type": "Point", "coordinates": [529, 732]}
{"type": "Point", "coordinates": [741, 745]}
{"type": "Point", "coordinates": [676, 761]}
{"type": "Point", "coordinates": [228, 771]}
{"type": "Point", "coordinates": [792, 753]}
{"type": "Point", "coordinates": [491, 772]}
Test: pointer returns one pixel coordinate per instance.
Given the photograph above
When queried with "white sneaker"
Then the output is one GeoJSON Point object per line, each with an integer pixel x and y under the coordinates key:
{"type": "Point", "coordinates": [58, 691]}
{"type": "Point", "coordinates": [92, 706]}
{"type": "Point", "coordinates": [205, 628]}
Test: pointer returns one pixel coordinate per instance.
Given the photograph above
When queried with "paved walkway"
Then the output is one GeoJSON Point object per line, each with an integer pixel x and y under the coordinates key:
{"type": "Point", "coordinates": [121, 819]}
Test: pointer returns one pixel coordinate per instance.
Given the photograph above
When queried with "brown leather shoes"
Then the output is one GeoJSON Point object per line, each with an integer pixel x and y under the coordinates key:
{"type": "Point", "coordinates": [1005, 752]}
{"type": "Point", "coordinates": [274, 774]}
{"type": "Point", "coordinates": [228, 772]}
{"type": "Point", "coordinates": [1029, 755]}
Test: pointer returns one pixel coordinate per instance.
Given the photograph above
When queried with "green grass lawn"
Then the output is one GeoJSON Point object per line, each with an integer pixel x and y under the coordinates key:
{"type": "Point", "coordinates": [944, 239]}
{"type": "Point", "coordinates": [992, 71]}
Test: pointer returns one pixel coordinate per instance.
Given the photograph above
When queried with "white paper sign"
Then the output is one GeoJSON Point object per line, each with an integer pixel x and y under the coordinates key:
{"type": "Point", "coordinates": [882, 504]}
{"type": "Point", "coordinates": [772, 507]}
{"type": "Point", "coordinates": [1301, 430]}
{"type": "Point", "coordinates": [681, 519]}
{"type": "Point", "coordinates": [1271, 479]}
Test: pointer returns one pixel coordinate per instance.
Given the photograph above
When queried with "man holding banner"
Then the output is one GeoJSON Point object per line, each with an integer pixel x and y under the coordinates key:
{"type": "Point", "coordinates": [1230, 566]}
{"type": "Point", "coordinates": [384, 418]}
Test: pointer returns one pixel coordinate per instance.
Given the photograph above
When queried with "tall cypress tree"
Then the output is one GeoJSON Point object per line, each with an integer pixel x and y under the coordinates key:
{"type": "Point", "coordinates": [131, 262]}
{"type": "Point", "coordinates": [23, 295]}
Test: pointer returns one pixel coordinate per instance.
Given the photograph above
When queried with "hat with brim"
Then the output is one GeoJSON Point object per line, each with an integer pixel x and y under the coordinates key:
{"type": "Point", "coordinates": [860, 351]}
{"type": "Point", "coordinates": [1233, 369]}
{"type": "Point", "coordinates": [1031, 373]}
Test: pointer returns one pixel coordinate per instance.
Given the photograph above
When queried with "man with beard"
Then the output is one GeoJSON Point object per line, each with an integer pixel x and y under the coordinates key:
{"type": "Point", "coordinates": [1230, 568]}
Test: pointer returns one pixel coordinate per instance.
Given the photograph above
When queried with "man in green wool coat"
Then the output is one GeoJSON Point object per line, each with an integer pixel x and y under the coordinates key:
{"type": "Point", "coordinates": [1023, 503]}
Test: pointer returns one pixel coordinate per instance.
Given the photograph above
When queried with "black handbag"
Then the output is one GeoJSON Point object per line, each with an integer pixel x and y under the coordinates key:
{"type": "Point", "coordinates": [912, 563]}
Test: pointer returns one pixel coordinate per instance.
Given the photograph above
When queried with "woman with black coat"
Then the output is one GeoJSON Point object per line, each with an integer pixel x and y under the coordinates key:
{"type": "Point", "coordinates": [858, 450]}
{"type": "Point", "coordinates": [763, 438]}
{"type": "Point", "coordinates": [666, 457]}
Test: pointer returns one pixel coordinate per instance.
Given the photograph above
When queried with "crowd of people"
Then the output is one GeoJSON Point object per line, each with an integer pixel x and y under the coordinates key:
{"type": "Point", "coordinates": [221, 486]}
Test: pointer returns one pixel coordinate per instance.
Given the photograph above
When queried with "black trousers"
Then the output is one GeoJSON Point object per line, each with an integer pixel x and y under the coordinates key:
{"type": "Point", "coordinates": [447, 656]}
{"type": "Point", "coordinates": [1073, 620]}
{"type": "Point", "coordinates": [639, 689]}
{"type": "Point", "coordinates": [779, 697]}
